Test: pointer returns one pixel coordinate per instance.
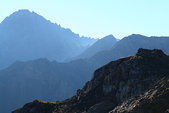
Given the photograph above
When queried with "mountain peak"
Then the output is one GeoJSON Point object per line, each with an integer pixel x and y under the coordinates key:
{"type": "Point", "coordinates": [135, 36]}
{"type": "Point", "coordinates": [30, 33]}
{"type": "Point", "coordinates": [150, 53]}
{"type": "Point", "coordinates": [103, 44]}
{"type": "Point", "coordinates": [109, 37]}
{"type": "Point", "coordinates": [23, 11]}
{"type": "Point", "coordinates": [22, 15]}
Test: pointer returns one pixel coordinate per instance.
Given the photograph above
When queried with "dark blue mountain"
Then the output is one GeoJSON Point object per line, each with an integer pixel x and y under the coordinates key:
{"type": "Point", "coordinates": [41, 79]}
{"type": "Point", "coordinates": [52, 81]}
{"type": "Point", "coordinates": [129, 46]}
{"type": "Point", "coordinates": [25, 35]}
{"type": "Point", "coordinates": [103, 44]}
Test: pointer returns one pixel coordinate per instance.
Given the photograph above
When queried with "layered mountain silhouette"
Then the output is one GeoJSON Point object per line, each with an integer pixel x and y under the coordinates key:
{"type": "Point", "coordinates": [103, 44]}
{"type": "Point", "coordinates": [25, 35]}
{"type": "Point", "coordinates": [66, 77]}
{"type": "Point", "coordinates": [36, 47]}
{"type": "Point", "coordinates": [129, 46]}
{"type": "Point", "coordinates": [134, 84]}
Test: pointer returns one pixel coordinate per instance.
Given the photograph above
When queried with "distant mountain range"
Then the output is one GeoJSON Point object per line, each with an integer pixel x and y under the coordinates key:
{"type": "Point", "coordinates": [129, 46]}
{"type": "Point", "coordinates": [106, 43]}
{"type": "Point", "coordinates": [61, 80]}
{"type": "Point", "coordinates": [33, 50]}
{"type": "Point", "coordinates": [25, 35]}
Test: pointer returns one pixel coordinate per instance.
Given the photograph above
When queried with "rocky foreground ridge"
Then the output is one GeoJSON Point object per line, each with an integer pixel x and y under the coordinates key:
{"type": "Point", "coordinates": [135, 84]}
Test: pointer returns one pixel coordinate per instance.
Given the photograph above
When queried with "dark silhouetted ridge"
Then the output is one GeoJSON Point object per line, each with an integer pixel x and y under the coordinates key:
{"type": "Point", "coordinates": [142, 78]}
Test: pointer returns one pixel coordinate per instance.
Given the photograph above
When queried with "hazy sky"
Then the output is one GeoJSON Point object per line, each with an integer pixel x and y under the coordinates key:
{"type": "Point", "coordinates": [98, 18]}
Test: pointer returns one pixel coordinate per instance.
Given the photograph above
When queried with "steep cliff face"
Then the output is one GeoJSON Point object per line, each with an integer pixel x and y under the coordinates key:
{"type": "Point", "coordinates": [114, 84]}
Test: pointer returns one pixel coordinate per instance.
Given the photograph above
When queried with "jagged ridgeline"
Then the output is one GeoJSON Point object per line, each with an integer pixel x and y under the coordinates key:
{"type": "Point", "coordinates": [25, 35]}
{"type": "Point", "coordinates": [134, 84]}
{"type": "Point", "coordinates": [51, 62]}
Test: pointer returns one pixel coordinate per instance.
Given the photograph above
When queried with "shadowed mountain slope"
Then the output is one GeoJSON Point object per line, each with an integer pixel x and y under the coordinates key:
{"type": "Point", "coordinates": [80, 69]}
{"type": "Point", "coordinates": [114, 83]}
{"type": "Point", "coordinates": [41, 79]}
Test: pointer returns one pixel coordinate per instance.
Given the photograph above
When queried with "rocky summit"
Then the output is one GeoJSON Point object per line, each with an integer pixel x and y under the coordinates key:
{"type": "Point", "coordinates": [135, 84]}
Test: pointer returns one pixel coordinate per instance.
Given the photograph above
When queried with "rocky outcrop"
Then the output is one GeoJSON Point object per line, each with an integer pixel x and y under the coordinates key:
{"type": "Point", "coordinates": [37, 107]}
{"type": "Point", "coordinates": [156, 100]}
{"type": "Point", "coordinates": [118, 82]}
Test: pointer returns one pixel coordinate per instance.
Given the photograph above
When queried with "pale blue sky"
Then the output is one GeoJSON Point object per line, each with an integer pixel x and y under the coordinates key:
{"type": "Point", "coordinates": [98, 18]}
